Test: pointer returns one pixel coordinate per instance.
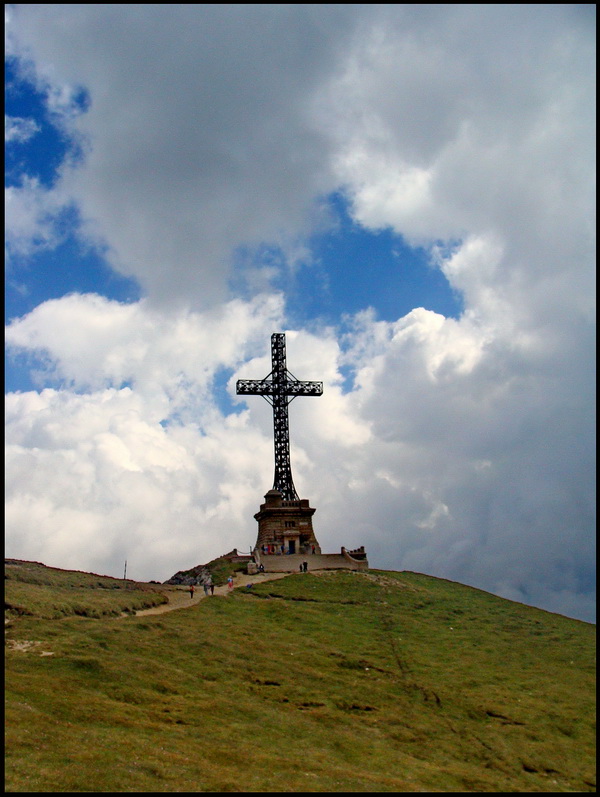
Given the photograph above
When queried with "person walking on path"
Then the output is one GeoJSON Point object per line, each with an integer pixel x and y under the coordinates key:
{"type": "Point", "coordinates": [192, 591]}
{"type": "Point", "coordinates": [230, 582]}
{"type": "Point", "coordinates": [205, 585]}
{"type": "Point", "coordinates": [209, 584]}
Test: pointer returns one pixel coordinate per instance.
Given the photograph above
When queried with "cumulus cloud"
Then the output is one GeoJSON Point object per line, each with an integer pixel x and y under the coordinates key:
{"type": "Point", "coordinates": [503, 474]}
{"type": "Point", "coordinates": [31, 214]}
{"type": "Point", "coordinates": [95, 478]}
{"type": "Point", "coordinates": [18, 130]}
{"type": "Point", "coordinates": [213, 143]}
{"type": "Point", "coordinates": [212, 126]}
{"type": "Point", "coordinates": [464, 446]}
{"type": "Point", "coordinates": [174, 356]}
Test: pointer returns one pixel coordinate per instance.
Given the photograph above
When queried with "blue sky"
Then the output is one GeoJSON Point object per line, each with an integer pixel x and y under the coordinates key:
{"type": "Point", "coordinates": [353, 268]}
{"type": "Point", "coordinates": [406, 191]}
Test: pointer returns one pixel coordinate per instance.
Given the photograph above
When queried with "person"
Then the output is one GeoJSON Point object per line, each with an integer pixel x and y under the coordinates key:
{"type": "Point", "coordinates": [261, 568]}
{"type": "Point", "coordinates": [301, 566]}
{"type": "Point", "coordinates": [192, 591]}
{"type": "Point", "coordinates": [230, 582]}
{"type": "Point", "coordinates": [209, 583]}
{"type": "Point", "coordinates": [305, 566]}
{"type": "Point", "coordinates": [313, 549]}
{"type": "Point", "coordinates": [205, 585]}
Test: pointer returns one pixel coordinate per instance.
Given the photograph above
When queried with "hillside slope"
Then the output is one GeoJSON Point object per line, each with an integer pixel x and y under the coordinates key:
{"type": "Point", "coordinates": [335, 681]}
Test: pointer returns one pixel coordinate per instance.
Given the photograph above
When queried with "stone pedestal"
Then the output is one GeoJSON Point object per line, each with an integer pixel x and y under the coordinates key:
{"type": "Point", "coordinates": [285, 526]}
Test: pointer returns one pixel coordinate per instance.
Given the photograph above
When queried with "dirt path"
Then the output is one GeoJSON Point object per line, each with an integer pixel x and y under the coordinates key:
{"type": "Point", "coordinates": [179, 596]}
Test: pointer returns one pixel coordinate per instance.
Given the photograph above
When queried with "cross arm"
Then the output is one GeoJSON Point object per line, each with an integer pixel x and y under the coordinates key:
{"type": "Point", "coordinates": [254, 387]}
{"type": "Point", "coordinates": [298, 388]}
{"type": "Point", "coordinates": [265, 387]}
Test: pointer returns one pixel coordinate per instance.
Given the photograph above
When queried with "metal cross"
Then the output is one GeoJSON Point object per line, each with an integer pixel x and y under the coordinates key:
{"type": "Point", "coordinates": [280, 390]}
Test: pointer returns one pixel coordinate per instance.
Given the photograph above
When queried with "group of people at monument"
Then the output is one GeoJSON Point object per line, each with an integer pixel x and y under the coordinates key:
{"type": "Point", "coordinates": [271, 549]}
{"type": "Point", "coordinates": [207, 584]}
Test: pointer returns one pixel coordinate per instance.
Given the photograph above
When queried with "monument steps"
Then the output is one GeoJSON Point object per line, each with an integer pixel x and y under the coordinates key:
{"type": "Point", "coordinates": [290, 563]}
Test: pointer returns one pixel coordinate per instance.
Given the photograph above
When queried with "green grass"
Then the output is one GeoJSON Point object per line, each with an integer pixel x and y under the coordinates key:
{"type": "Point", "coordinates": [51, 593]}
{"type": "Point", "coordinates": [339, 681]}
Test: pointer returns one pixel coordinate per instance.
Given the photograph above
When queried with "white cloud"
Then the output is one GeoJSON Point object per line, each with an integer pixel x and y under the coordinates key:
{"type": "Point", "coordinates": [212, 144]}
{"type": "Point", "coordinates": [30, 214]}
{"type": "Point", "coordinates": [94, 481]}
{"type": "Point", "coordinates": [19, 130]}
{"type": "Point", "coordinates": [168, 358]}
{"type": "Point", "coordinates": [443, 123]}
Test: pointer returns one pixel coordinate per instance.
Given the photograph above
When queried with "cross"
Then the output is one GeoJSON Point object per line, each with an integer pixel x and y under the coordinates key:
{"type": "Point", "coordinates": [280, 390]}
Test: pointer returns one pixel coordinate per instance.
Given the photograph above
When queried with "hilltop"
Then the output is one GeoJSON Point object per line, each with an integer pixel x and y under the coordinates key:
{"type": "Point", "coordinates": [330, 681]}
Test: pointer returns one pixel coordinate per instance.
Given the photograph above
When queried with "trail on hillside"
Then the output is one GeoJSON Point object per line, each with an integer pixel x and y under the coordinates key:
{"type": "Point", "coordinates": [179, 596]}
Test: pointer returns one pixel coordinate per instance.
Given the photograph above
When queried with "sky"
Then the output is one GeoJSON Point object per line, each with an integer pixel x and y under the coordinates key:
{"type": "Point", "coordinates": [407, 191]}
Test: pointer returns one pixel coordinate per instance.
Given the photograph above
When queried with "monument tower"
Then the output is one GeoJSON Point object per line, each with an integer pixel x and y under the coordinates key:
{"type": "Point", "coordinates": [284, 520]}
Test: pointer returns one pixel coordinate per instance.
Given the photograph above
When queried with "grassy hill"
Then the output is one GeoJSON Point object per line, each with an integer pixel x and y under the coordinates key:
{"type": "Point", "coordinates": [340, 681]}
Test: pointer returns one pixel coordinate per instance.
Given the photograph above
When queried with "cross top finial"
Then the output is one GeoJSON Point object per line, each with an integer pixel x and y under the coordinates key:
{"type": "Point", "coordinates": [280, 388]}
